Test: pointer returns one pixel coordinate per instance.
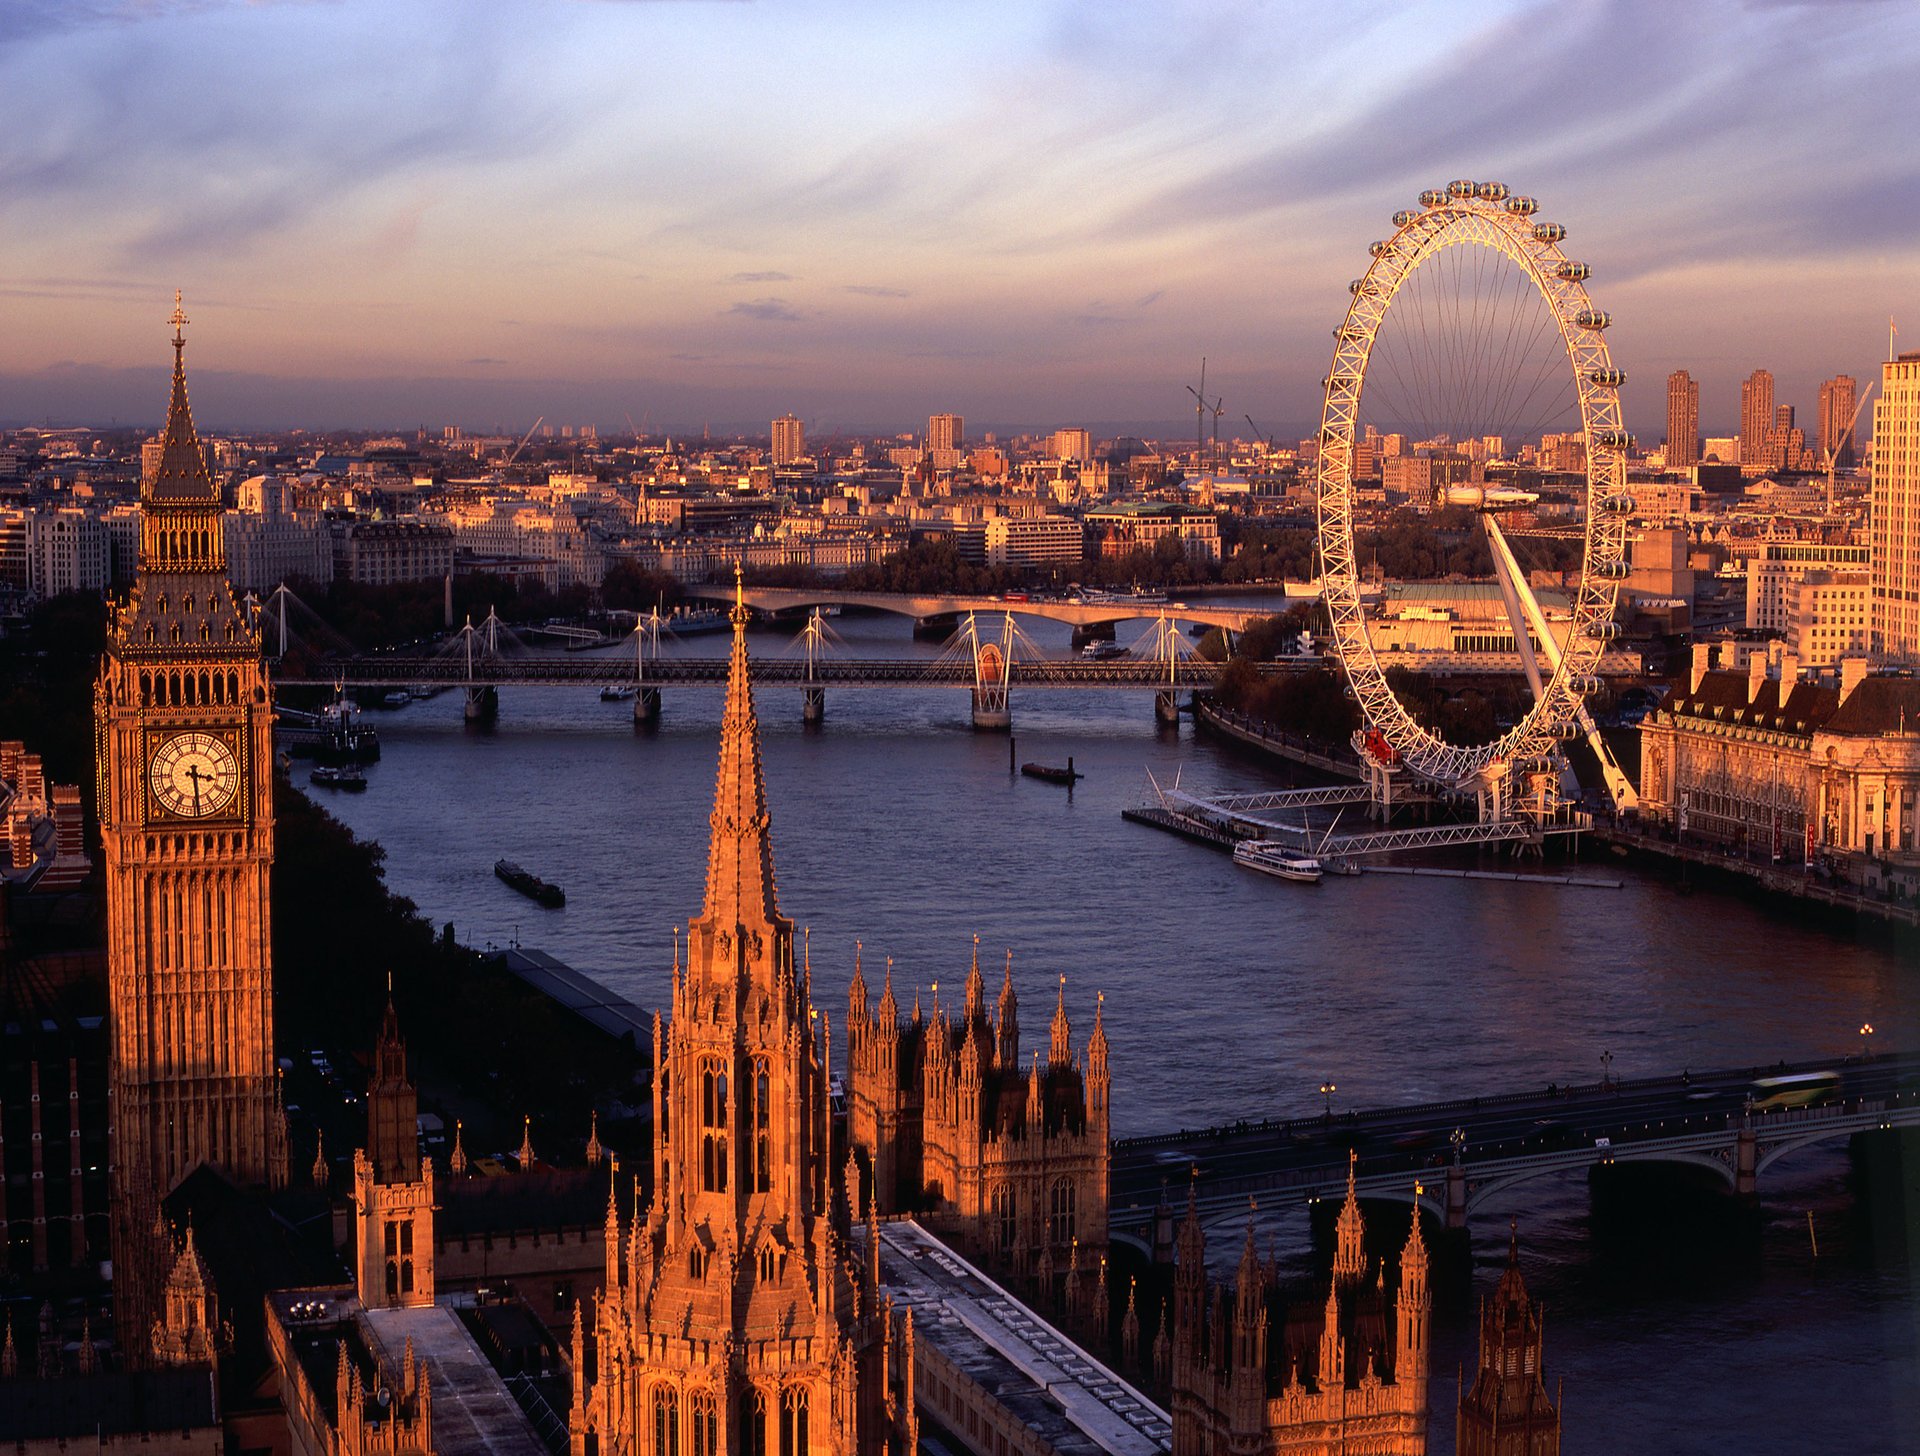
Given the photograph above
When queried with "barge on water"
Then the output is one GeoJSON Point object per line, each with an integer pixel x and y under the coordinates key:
{"type": "Point", "coordinates": [530, 885]}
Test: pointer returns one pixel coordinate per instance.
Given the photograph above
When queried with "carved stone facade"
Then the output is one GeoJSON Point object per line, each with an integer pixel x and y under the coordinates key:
{"type": "Point", "coordinates": [730, 1319]}
{"type": "Point", "coordinates": [1766, 763]}
{"type": "Point", "coordinates": [392, 1187]}
{"type": "Point", "coordinates": [1011, 1163]}
{"type": "Point", "coordinates": [184, 743]}
{"type": "Point", "coordinates": [1251, 1376]}
{"type": "Point", "coordinates": [1507, 1412]}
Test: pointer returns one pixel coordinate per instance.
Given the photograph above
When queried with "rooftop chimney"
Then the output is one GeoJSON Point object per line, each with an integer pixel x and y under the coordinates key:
{"type": "Point", "coordinates": [1789, 673]}
{"type": "Point", "coordinates": [1702, 660]}
{"type": "Point", "coordinates": [1853, 672]}
{"type": "Point", "coordinates": [1756, 676]}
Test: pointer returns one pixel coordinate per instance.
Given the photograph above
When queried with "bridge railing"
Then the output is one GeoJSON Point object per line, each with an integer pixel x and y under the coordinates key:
{"type": "Point", "coordinates": [1421, 1111]}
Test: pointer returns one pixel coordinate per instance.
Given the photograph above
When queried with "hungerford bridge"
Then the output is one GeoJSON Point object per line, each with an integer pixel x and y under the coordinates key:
{"type": "Point", "coordinates": [484, 657]}
{"type": "Point", "coordinates": [1451, 1157]}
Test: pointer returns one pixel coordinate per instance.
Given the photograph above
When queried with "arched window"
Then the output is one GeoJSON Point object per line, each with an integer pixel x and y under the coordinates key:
{"type": "Point", "coordinates": [768, 1264]}
{"type": "Point", "coordinates": [1060, 1229]}
{"type": "Point", "coordinates": [713, 1120]}
{"type": "Point", "coordinates": [697, 1262]}
{"type": "Point", "coordinates": [393, 1279]}
{"type": "Point", "coordinates": [704, 1425]}
{"type": "Point", "coordinates": [793, 1422]}
{"type": "Point", "coordinates": [1005, 1225]}
{"type": "Point", "coordinates": [753, 1424]}
{"type": "Point", "coordinates": [666, 1421]}
{"type": "Point", "coordinates": [762, 1143]}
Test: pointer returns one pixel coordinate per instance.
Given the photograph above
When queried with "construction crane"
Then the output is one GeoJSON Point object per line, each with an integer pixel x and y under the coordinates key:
{"type": "Point", "coordinates": [1199, 412]}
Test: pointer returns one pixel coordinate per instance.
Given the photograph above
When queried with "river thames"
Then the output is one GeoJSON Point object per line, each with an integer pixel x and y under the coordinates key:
{"type": "Point", "coordinates": [1230, 995]}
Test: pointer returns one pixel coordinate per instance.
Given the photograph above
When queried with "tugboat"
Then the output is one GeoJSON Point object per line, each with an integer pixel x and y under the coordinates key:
{"type": "Point", "coordinates": [348, 778]}
{"type": "Point", "coordinates": [618, 693]}
{"type": "Point", "coordinates": [530, 885]}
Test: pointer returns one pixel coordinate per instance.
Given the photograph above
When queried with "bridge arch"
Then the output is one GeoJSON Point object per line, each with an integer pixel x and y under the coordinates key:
{"type": "Point", "coordinates": [935, 604]}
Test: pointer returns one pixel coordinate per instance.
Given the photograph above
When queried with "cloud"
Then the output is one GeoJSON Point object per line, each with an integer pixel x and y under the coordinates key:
{"type": "Point", "coordinates": [484, 359]}
{"type": "Point", "coordinates": [769, 277]}
{"type": "Point", "coordinates": [874, 290]}
{"type": "Point", "coordinates": [767, 310]}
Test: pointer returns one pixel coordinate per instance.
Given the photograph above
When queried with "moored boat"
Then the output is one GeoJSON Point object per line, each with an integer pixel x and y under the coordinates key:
{"type": "Point", "coordinates": [530, 885]}
{"type": "Point", "coordinates": [1271, 859]}
{"type": "Point", "coordinates": [617, 693]}
{"type": "Point", "coordinates": [348, 778]}
{"type": "Point", "coordinates": [1051, 773]}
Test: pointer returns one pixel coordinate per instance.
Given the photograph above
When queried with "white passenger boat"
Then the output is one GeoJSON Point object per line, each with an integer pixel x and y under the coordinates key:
{"type": "Point", "coordinates": [1271, 859]}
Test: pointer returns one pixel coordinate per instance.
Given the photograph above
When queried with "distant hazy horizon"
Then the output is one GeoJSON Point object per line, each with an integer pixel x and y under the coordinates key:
{"type": "Point", "coordinates": [384, 214]}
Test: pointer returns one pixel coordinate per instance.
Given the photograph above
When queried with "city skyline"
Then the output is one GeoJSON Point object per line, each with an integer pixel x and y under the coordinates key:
{"type": "Point", "coordinates": [715, 214]}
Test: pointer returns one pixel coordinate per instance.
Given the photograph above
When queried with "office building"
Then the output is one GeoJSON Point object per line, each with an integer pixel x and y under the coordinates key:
{"type": "Point", "coordinates": [1896, 511]}
{"type": "Point", "coordinates": [1683, 420]}
{"type": "Point", "coordinates": [1838, 403]}
{"type": "Point", "coordinates": [789, 440]}
{"type": "Point", "coordinates": [945, 432]}
{"type": "Point", "coordinates": [1756, 416]}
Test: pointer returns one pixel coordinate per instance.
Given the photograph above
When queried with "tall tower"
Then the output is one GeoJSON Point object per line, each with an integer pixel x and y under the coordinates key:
{"type": "Point", "coordinates": [1507, 1412]}
{"type": "Point", "coordinates": [1756, 417]}
{"type": "Point", "coordinates": [392, 1186]}
{"type": "Point", "coordinates": [1837, 405]}
{"type": "Point", "coordinates": [945, 432]}
{"type": "Point", "coordinates": [183, 738]}
{"type": "Point", "coordinates": [789, 440]}
{"type": "Point", "coordinates": [736, 1318]}
{"type": "Point", "coordinates": [1683, 420]}
{"type": "Point", "coordinates": [1896, 511]}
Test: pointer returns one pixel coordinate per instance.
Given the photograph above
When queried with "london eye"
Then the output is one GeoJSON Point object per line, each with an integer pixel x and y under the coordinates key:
{"type": "Point", "coordinates": [1470, 343]}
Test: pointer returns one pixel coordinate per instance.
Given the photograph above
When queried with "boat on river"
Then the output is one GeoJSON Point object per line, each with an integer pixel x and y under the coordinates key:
{"type": "Point", "coordinates": [617, 693]}
{"type": "Point", "coordinates": [530, 884]}
{"type": "Point", "coordinates": [1271, 859]}
{"type": "Point", "coordinates": [348, 778]}
{"type": "Point", "coordinates": [1051, 773]}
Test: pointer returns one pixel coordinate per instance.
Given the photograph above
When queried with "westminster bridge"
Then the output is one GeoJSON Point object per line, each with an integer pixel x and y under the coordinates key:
{"type": "Point", "coordinates": [1450, 1156]}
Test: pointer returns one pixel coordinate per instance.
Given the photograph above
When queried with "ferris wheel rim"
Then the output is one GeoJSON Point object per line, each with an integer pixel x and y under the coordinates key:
{"type": "Point", "coordinates": [1465, 214]}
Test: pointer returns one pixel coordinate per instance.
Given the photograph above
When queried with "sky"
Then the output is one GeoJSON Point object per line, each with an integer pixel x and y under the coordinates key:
{"type": "Point", "coordinates": [699, 214]}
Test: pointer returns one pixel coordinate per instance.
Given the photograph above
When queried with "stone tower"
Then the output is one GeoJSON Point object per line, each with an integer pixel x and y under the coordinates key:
{"type": "Point", "coordinates": [1251, 1375]}
{"type": "Point", "coordinates": [184, 746]}
{"type": "Point", "coordinates": [1507, 1413]}
{"type": "Point", "coordinates": [734, 1323]}
{"type": "Point", "coordinates": [1009, 1161]}
{"type": "Point", "coordinates": [392, 1186]}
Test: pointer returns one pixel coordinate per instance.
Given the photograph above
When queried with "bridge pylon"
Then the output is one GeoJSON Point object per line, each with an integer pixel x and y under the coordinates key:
{"type": "Point", "coordinates": [992, 664]}
{"type": "Point", "coordinates": [813, 703]}
{"type": "Point", "coordinates": [646, 648]}
{"type": "Point", "coordinates": [1167, 647]}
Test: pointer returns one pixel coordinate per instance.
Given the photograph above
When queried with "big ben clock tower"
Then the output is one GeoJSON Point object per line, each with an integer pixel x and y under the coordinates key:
{"type": "Point", "coordinates": [184, 740]}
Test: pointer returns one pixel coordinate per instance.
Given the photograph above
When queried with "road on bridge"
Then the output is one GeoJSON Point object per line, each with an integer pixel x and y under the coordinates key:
{"type": "Point", "coordinates": [615, 670]}
{"type": "Point", "coordinates": [1307, 1156]}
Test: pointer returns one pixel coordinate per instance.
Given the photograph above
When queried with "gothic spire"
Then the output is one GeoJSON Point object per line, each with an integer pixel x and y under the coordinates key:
{"type": "Point", "coordinates": [740, 858]}
{"type": "Point", "coordinates": [1062, 1049]}
{"type": "Point", "coordinates": [1349, 1257]}
{"type": "Point", "coordinates": [182, 475]}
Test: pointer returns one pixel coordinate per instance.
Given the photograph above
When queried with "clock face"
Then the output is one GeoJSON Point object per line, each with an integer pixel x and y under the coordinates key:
{"type": "Point", "coordinates": [194, 775]}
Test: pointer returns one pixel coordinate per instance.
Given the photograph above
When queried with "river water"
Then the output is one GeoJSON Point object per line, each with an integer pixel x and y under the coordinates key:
{"type": "Point", "coordinates": [1230, 995]}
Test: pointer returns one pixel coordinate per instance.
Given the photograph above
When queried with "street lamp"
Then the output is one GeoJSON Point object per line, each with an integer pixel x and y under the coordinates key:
{"type": "Point", "coordinates": [1327, 1089]}
{"type": "Point", "coordinates": [1606, 1069]}
{"type": "Point", "coordinates": [1458, 1137]}
{"type": "Point", "coordinates": [1866, 1041]}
